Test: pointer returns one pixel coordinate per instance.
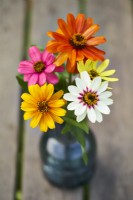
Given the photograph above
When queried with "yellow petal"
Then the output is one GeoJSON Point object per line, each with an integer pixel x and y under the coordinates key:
{"type": "Point", "coordinates": [28, 98]}
{"type": "Point", "coordinates": [58, 111]}
{"type": "Point", "coordinates": [29, 115]}
{"type": "Point", "coordinates": [56, 103]}
{"type": "Point", "coordinates": [57, 119]}
{"type": "Point", "coordinates": [43, 92]}
{"type": "Point", "coordinates": [50, 121]}
{"type": "Point", "coordinates": [82, 67]}
{"type": "Point", "coordinates": [35, 91]}
{"type": "Point", "coordinates": [35, 120]}
{"type": "Point", "coordinates": [57, 95]}
{"type": "Point", "coordinates": [108, 73]}
{"type": "Point", "coordinates": [49, 91]}
{"type": "Point", "coordinates": [28, 107]}
{"type": "Point", "coordinates": [103, 66]}
{"type": "Point", "coordinates": [43, 123]}
{"type": "Point", "coordinates": [94, 64]}
{"type": "Point", "coordinates": [110, 79]}
{"type": "Point", "coordinates": [60, 59]}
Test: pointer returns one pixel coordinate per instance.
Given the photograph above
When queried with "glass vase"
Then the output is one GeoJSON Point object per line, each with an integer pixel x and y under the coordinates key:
{"type": "Point", "coordinates": [62, 161]}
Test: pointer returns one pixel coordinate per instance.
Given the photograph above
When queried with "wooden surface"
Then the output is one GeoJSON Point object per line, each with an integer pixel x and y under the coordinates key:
{"type": "Point", "coordinates": [114, 176]}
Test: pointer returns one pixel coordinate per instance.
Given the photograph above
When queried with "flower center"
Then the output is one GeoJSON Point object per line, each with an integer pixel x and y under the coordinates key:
{"type": "Point", "coordinates": [43, 106]}
{"type": "Point", "coordinates": [39, 66]}
{"type": "Point", "coordinates": [91, 98]}
{"type": "Point", "coordinates": [78, 41]}
{"type": "Point", "coordinates": [93, 73]}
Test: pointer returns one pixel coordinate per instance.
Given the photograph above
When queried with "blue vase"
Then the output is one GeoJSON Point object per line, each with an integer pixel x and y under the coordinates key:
{"type": "Point", "coordinates": [62, 161]}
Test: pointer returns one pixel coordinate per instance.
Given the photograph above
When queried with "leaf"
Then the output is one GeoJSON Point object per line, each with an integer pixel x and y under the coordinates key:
{"type": "Point", "coordinates": [82, 125]}
{"type": "Point", "coordinates": [21, 82]}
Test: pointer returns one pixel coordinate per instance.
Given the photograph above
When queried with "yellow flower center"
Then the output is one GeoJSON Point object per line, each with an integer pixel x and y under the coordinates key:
{"type": "Point", "coordinates": [93, 73]}
{"type": "Point", "coordinates": [91, 98]}
{"type": "Point", "coordinates": [78, 41]}
{"type": "Point", "coordinates": [43, 106]}
{"type": "Point", "coordinates": [39, 66]}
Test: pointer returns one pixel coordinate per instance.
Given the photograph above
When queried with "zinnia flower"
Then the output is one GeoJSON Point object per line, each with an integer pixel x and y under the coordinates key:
{"type": "Point", "coordinates": [43, 106]}
{"type": "Point", "coordinates": [94, 70]}
{"type": "Point", "coordinates": [75, 41]}
{"type": "Point", "coordinates": [40, 69]}
{"type": "Point", "coordinates": [89, 98]}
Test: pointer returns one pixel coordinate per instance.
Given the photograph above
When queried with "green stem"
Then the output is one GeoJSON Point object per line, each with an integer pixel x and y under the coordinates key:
{"type": "Point", "coordinates": [70, 79]}
{"type": "Point", "coordinates": [82, 4]}
{"type": "Point", "coordinates": [86, 192]}
{"type": "Point", "coordinates": [20, 136]}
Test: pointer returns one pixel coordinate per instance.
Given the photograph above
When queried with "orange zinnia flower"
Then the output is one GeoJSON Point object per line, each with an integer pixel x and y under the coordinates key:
{"type": "Point", "coordinates": [74, 41]}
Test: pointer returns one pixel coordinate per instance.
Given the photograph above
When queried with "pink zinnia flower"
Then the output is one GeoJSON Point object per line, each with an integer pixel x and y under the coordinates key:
{"type": "Point", "coordinates": [40, 68]}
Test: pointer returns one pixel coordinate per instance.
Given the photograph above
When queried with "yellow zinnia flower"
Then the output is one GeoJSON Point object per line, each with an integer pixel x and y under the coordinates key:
{"type": "Point", "coordinates": [94, 70]}
{"type": "Point", "coordinates": [43, 106]}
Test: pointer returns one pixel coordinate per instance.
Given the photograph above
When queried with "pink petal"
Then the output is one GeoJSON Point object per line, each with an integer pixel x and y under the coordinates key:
{"type": "Point", "coordinates": [33, 79]}
{"type": "Point", "coordinates": [52, 78]}
{"type": "Point", "coordinates": [42, 79]}
{"type": "Point", "coordinates": [59, 69]}
{"type": "Point", "coordinates": [25, 67]}
{"type": "Point", "coordinates": [27, 77]}
{"type": "Point", "coordinates": [47, 58]}
{"type": "Point", "coordinates": [50, 68]}
{"type": "Point", "coordinates": [34, 54]}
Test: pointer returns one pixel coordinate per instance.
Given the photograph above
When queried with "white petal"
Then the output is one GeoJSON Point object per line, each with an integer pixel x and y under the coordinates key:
{"type": "Point", "coordinates": [107, 102]}
{"type": "Point", "coordinates": [69, 97]}
{"type": "Point", "coordinates": [73, 105]}
{"type": "Point", "coordinates": [80, 109]}
{"type": "Point", "coordinates": [80, 84]}
{"type": "Point", "coordinates": [95, 84]}
{"type": "Point", "coordinates": [81, 117]}
{"type": "Point", "coordinates": [73, 89]}
{"type": "Point", "coordinates": [91, 115]}
{"type": "Point", "coordinates": [99, 116]}
{"type": "Point", "coordinates": [103, 108]}
{"type": "Point", "coordinates": [85, 78]}
{"type": "Point", "coordinates": [103, 87]}
{"type": "Point", "coordinates": [105, 95]}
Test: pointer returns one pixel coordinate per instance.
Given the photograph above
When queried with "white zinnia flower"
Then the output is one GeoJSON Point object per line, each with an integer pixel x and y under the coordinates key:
{"type": "Point", "coordinates": [89, 98]}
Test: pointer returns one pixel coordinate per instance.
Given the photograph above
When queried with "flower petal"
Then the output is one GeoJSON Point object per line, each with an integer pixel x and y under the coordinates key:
{"type": "Point", "coordinates": [73, 90]}
{"type": "Point", "coordinates": [80, 84]}
{"type": "Point", "coordinates": [56, 118]}
{"type": "Point", "coordinates": [49, 91]}
{"type": "Point", "coordinates": [42, 78]}
{"type": "Point", "coordinates": [69, 97]}
{"type": "Point", "coordinates": [91, 30]}
{"type": "Point", "coordinates": [73, 105]}
{"type": "Point", "coordinates": [57, 95]}
{"type": "Point", "coordinates": [80, 109]}
{"type": "Point", "coordinates": [96, 40]}
{"type": "Point", "coordinates": [108, 73]}
{"type": "Point", "coordinates": [58, 111]}
{"type": "Point", "coordinates": [33, 79]}
{"type": "Point", "coordinates": [50, 68]}
{"type": "Point", "coordinates": [34, 54]}
{"type": "Point", "coordinates": [60, 59]}
{"type": "Point", "coordinates": [103, 66]}
{"type": "Point", "coordinates": [102, 87]}
{"type": "Point", "coordinates": [26, 67]}
{"type": "Point", "coordinates": [35, 120]}
{"type": "Point", "coordinates": [101, 107]}
{"type": "Point", "coordinates": [43, 123]}
{"type": "Point", "coordinates": [91, 114]}
{"type": "Point", "coordinates": [99, 116]}
{"type": "Point", "coordinates": [105, 95]}
{"type": "Point", "coordinates": [95, 84]}
{"type": "Point", "coordinates": [50, 121]}
{"type": "Point", "coordinates": [86, 79]}
{"type": "Point", "coordinates": [107, 102]}
{"type": "Point", "coordinates": [52, 78]}
{"type": "Point", "coordinates": [81, 117]}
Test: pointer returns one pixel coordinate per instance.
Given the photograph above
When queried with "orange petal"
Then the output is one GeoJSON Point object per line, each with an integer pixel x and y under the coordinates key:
{"type": "Point", "coordinates": [96, 40]}
{"type": "Point", "coordinates": [70, 68]}
{"type": "Point", "coordinates": [80, 20]}
{"type": "Point", "coordinates": [97, 56]}
{"type": "Point", "coordinates": [89, 54]}
{"type": "Point", "coordinates": [90, 31]}
{"type": "Point", "coordinates": [88, 23]}
{"type": "Point", "coordinates": [72, 57]}
{"type": "Point", "coordinates": [60, 59]}
{"type": "Point", "coordinates": [80, 55]}
{"type": "Point", "coordinates": [64, 28]}
{"type": "Point", "coordinates": [65, 48]}
{"type": "Point", "coordinates": [53, 47]}
{"type": "Point", "coordinates": [59, 37]}
{"type": "Point", "coordinates": [96, 50]}
{"type": "Point", "coordinates": [71, 23]}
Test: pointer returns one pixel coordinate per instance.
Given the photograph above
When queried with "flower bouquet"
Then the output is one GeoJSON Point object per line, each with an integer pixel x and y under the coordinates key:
{"type": "Point", "coordinates": [66, 81]}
